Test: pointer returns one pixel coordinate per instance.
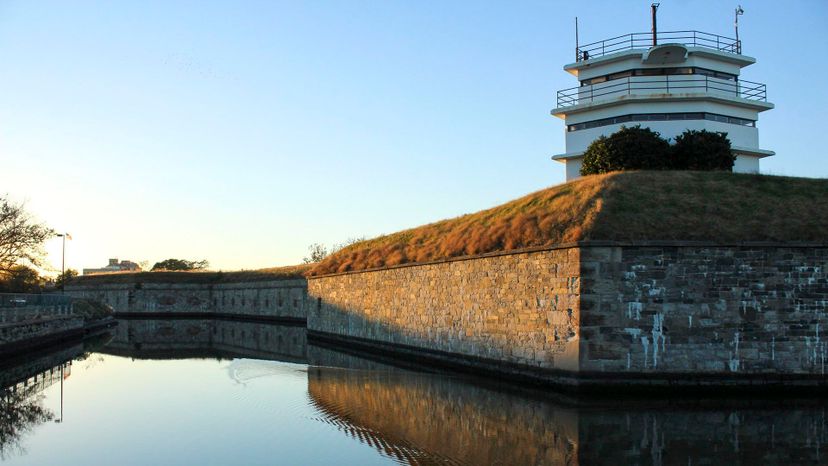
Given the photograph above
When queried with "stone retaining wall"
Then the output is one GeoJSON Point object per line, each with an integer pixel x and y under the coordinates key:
{"type": "Point", "coordinates": [10, 315]}
{"type": "Point", "coordinates": [29, 330]}
{"type": "Point", "coordinates": [646, 315]}
{"type": "Point", "coordinates": [272, 298]}
{"type": "Point", "coordinates": [519, 308]}
{"type": "Point", "coordinates": [28, 323]}
{"type": "Point", "coordinates": [704, 309]}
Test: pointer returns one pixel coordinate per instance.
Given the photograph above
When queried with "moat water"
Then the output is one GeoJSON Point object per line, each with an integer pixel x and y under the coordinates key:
{"type": "Point", "coordinates": [206, 392]}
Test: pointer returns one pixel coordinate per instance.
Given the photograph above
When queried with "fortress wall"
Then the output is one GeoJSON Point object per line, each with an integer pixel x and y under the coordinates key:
{"type": "Point", "coordinates": [704, 309]}
{"type": "Point", "coordinates": [31, 324]}
{"type": "Point", "coordinates": [516, 308]}
{"type": "Point", "coordinates": [594, 315]}
{"type": "Point", "coordinates": [266, 299]}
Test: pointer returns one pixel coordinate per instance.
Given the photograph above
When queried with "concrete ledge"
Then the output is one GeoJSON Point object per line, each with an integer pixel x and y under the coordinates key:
{"type": "Point", "coordinates": [593, 384]}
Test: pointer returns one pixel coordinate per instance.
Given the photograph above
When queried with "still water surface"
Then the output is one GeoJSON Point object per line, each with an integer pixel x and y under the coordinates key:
{"type": "Point", "coordinates": [205, 392]}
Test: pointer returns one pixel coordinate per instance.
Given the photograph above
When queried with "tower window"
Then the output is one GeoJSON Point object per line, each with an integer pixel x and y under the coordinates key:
{"type": "Point", "coordinates": [661, 117]}
{"type": "Point", "coordinates": [683, 70]}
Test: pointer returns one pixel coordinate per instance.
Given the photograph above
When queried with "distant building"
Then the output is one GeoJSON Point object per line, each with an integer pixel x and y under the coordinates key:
{"type": "Point", "coordinates": [115, 266]}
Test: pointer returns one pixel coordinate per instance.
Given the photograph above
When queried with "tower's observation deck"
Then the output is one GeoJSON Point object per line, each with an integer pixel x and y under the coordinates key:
{"type": "Point", "coordinates": [688, 80]}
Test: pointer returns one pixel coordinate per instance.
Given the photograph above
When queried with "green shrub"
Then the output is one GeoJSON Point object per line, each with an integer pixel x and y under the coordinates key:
{"type": "Point", "coordinates": [640, 148]}
{"type": "Point", "coordinates": [633, 148]}
{"type": "Point", "coordinates": [702, 150]}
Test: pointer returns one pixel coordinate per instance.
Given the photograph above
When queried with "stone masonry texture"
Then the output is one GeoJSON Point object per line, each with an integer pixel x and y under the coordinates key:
{"type": "Point", "coordinates": [704, 309]}
{"type": "Point", "coordinates": [519, 308]}
{"type": "Point", "coordinates": [676, 309]}
{"type": "Point", "coordinates": [274, 298]}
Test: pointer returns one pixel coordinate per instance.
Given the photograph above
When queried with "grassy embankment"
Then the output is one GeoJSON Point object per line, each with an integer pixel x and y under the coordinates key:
{"type": "Point", "coordinates": [631, 206]}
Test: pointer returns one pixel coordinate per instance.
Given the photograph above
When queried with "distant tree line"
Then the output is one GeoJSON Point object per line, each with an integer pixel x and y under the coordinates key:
{"type": "Point", "coordinates": [637, 148]}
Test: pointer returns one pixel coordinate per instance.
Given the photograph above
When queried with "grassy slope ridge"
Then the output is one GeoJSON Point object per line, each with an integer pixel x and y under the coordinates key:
{"type": "Point", "coordinates": [629, 206]}
{"type": "Point", "coordinates": [194, 277]}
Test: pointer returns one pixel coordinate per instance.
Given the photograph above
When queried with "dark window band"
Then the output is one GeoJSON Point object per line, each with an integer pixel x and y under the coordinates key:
{"type": "Point", "coordinates": [661, 117]}
{"type": "Point", "coordinates": [684, 70]}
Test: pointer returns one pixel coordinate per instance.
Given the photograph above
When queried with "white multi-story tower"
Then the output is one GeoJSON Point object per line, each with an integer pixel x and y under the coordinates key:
{"type": "Point", "coordinates": [667, 81]}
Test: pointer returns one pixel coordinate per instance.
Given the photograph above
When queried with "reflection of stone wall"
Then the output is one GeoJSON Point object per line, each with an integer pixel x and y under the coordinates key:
{"type": "Point", "coordinates": [40, 371]}
{"type": "Point", "coordinates": [598, 313]}
{"type": "Point", "coordinates": [723, 434]}
{"type": "Point", "coordinates": [272, 298]}
{"type": "Point", "coordinates": [422, 419]}
{"type": "Point", "coordinates": [207, 338]}
{"type": "Point", "coordinates": [520, 308]}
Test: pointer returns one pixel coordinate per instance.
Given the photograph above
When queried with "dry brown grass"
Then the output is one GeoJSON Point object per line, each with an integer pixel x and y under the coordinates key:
{"type": "Point", "coordinates": [703, 206]}
{"type": "Point", "coordinates": [195, 277]}
{"type": "Point", "coordinates": [555, 215]}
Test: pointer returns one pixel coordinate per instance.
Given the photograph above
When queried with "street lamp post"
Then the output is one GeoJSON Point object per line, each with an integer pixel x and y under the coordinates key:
{"type": "Point", "coordinates": [63, 262]}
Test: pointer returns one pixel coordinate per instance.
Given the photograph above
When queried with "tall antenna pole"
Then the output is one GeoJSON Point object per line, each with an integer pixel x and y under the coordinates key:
{"type": "Point", "coordinates": [739, 12]}
{"type": "Point", "coordinates": [577, 52]}
{"type": "Point", "coordinates": [654, 7]}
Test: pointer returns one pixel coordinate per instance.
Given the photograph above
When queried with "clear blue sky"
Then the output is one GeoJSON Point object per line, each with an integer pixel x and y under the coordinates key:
{"type": "Point", "coordinates": [241, 132]}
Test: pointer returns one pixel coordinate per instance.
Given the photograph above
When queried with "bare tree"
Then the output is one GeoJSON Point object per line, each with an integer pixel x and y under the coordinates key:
{"type": "Point", "coordinates": [21, 237]}
{"type": "Point", "coordinates": [317, 253]}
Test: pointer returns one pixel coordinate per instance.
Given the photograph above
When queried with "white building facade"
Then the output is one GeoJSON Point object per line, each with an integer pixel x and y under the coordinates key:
{"type": "Point", "coordinates": [669, 82]}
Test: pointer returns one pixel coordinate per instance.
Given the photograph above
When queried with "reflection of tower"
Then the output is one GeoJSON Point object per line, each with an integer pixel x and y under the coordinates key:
{"type": "Point", "coordinates": [667, 81]}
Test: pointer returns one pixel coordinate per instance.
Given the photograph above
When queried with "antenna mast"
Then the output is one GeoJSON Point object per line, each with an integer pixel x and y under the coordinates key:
{"type": "Point", "coordinates": [739, 12]}
{"type": "Point", "coordinates": [654, 6]}
{"type": "Point", "coordinates": [577, 52]}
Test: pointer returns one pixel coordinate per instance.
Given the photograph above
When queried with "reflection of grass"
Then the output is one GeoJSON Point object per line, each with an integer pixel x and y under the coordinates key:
{"type": "Point", "coordinates": [630, 206]}
{"type": "Point", "coordinates": [273, 273]}
{"type": "Point", "coordinates": [20, 413]}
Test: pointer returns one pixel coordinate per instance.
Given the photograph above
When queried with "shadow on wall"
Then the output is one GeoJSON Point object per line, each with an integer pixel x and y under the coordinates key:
{"type": "Point", "coordinates": [418, 418]}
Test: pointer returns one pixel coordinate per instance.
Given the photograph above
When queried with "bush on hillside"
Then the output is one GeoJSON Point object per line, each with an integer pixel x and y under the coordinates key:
{"type": "Point", "coordinates": [639, 148]}
{"type": "Point", "coordinates": [633, 148]}
{"type": "Point", "coordinates": [702, 150]}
